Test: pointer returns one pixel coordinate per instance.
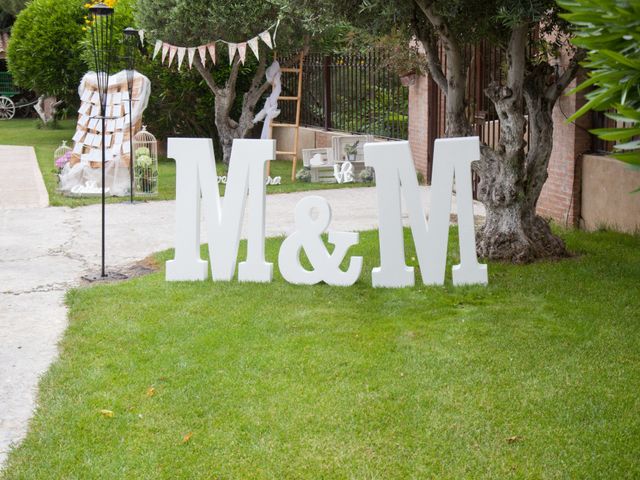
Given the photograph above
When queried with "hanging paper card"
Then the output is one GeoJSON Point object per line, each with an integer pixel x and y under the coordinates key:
{"type": "Point", "coordinates": [157, 48]}
{"type": "Point", "coordinates": [88, 140]}
{"type": "Point", "coordinates": [93, 123]}
{"type": "Point", "coordinates": [111, 125]}
{"type": "Point", "coordinates": [78, 135]}
{"type": "Point", "coordinates": [107, 140]}
{"type": "Point", "coordinates": [202, 50]}
{"type": "Point", "coordinates": [242, 51]}
{"type": "Point", "coordinates": [125, 96]}
{"type": "Point", "coordinates": [212, 52]}
{"type": "Point", "coordinates": [165, 49]}
{"type": "Point", "coordinates": [84, 120]}
{"type": "Point", "coordinates": [119, 138]}
{"type": "Point", "coordinates": [232, 51]}
{"type": "Point", "coordinates": [266, 38]}
{"type": "Point", "coordinates": [255, 48]}
{"type": "Point", "coordinates": [191, 52]}
{"type": "Point", "coordinates": [181, 53]}
{"type": "Point", "coordinates": [116, 98]}
{"type": "Point", "coordinates": [97, 140]}
{"type": "Point", "coordinates": [172, 53]}
{"type": "Point", "coordinates": [120, 123]}
{"type": "Point", "coordinates": [86, 96]}
{"type": "Point", "coordinates": [84, 108]}
{"type": "Point", "coordinates": [126, 148]}
{"type": "Point", "coordinates": [77, 148]}
{"type": "Point", "coordinates": [95, 98]}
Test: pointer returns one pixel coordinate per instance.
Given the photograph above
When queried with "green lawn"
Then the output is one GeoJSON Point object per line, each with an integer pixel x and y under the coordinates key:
{"type": "Point", "coordinates": [45, 141]}
{"type": "Point", "coordinates": [535, 376]}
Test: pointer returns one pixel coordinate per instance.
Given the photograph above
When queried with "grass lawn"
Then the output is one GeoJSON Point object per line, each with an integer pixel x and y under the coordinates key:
{"type": "Point", "coordinates": [535, 376]}
{"type": "Point", "coordinates": [45, 141]}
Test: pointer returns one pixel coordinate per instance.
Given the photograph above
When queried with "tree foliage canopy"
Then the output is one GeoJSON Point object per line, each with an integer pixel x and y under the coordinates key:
{"type": "Point", "coordinates": [45, 52]}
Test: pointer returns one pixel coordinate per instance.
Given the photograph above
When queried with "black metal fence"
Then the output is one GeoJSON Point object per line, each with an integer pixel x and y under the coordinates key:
{"type": "Point", "coordinates": [352, 93]}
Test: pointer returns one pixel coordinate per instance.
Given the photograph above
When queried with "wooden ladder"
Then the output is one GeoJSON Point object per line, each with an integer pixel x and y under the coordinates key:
{"type": "Point", "coordinates": [296, 135]}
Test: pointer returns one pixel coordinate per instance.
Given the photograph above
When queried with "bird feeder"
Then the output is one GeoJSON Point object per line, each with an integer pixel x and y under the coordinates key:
{"type": "Point", "coordinates": [145, 163]}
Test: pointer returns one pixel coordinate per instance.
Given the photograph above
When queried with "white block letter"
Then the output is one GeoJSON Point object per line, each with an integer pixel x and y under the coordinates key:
{"type": "Point", "coordinates": [395, 175]}
{"type": "Point", "coordinates": [195, 176]}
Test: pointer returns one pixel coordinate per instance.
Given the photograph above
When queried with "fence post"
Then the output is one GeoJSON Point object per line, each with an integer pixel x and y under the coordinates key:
{"type": "Point", "coordinates": [326, 70]}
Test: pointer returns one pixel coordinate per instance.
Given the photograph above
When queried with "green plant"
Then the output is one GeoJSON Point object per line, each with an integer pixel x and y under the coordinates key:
{"type": "Point", "coordinates": [608, 29]}
{"type": "Point", "coordinates": [351, 149]}
{"type": "Point", "coordinates": [401, 57]}
{"type": "Point", "coordinates": [303, 175]}
{"type": "Point", "coordinates": [367, 175]}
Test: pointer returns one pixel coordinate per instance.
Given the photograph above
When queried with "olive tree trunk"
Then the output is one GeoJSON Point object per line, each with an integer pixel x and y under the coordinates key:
{"type": "Point", "coordinates": [512, 175]}
{"type": "Point", "coordinates": [225, 96]}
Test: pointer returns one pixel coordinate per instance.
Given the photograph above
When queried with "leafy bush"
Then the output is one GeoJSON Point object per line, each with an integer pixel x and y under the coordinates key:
{"type": "Point", "coordinates": [608, 29]}
{"type": "Point", "coordinates": [45, 52]}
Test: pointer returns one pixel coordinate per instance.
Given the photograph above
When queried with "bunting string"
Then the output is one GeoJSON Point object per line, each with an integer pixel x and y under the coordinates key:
{"type": "Point", "coordinates": [170, 52]}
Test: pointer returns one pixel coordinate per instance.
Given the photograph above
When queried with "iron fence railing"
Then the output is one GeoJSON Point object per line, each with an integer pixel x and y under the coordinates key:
{"type": "Point", "coordinates": [352, 93]}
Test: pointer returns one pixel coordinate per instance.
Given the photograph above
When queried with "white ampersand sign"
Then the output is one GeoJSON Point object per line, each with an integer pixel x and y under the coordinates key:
{"type": "Point", "coordinates": [326, 267]}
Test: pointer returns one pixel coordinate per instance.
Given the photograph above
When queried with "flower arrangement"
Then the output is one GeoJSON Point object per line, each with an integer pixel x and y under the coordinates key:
{"type": "Point", "coordinates": [60, 162]}
{"type": "Point", "coordinates": [145, 170]}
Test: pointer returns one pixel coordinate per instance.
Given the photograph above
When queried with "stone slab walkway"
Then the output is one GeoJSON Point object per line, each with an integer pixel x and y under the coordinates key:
{"type": "Point", "coordinates": [44, 252]}
{"type": "Point", "coordinates": [21, 184]}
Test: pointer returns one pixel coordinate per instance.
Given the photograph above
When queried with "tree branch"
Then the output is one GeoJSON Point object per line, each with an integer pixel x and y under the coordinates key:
{"type": "Point", "coordinates": [206, 75]}
{"type": "Point", "coordinates": [438, 22]}
{"type": "Point", "coordinates": [433, 62]}
{"type": "Point", "coordinates": [556, 89]}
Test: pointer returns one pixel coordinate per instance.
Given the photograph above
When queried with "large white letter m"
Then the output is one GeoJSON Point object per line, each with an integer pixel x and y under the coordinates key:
{"type": "Point", "coordinates": [396, 176]}
{"type": "Point", "coordinates": [196, 183]}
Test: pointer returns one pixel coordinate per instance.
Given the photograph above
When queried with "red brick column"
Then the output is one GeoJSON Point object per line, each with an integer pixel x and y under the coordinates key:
{"type": "Point", "coordinates": [560, 197]}
{"type": "Point", "coordinates": [419, 123]}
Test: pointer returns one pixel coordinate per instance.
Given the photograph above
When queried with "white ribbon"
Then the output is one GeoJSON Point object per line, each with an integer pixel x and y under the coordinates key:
{"type": "Point", "coordinates": [270, 109]}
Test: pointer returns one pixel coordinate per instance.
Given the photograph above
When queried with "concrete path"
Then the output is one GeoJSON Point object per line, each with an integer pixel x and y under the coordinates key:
{"type": "Point", "coordinates": [21, 184]}
{"type": "Point", "coordinates": [44, 252]}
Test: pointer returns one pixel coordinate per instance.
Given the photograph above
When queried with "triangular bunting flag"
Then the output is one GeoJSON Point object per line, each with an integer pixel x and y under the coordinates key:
{"type": "Point", "coordinates": [192, 53]}
{"type": "Point", "coordinates": [202, 50]}
{"type": "Point", "coordinates": [181, 53]}
{"type": "Point", "coordinates": [266, 38]}
{"type": "Point", "coordinates": [141, 34]}
{"type": "Point", "coordinates": [212, 52]}
{"type": "Point", "coordinates": [172, 53]}
{"type": "Point", "coordinates": [232, 51]}
{"type": "Point", "coordinates": [242, 51]}
{"type": "Point", "coordinates": [157, 48]}
{"type": "Point", "coordinates": [255, 48]}
{"type": "Point", "coordinates": [165, 49]}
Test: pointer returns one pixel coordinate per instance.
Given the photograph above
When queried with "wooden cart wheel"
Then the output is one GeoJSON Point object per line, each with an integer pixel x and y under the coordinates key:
{"type": "Point", "coordinates": [7, 108]}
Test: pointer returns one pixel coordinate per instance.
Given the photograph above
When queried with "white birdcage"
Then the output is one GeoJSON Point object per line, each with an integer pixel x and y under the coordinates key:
{"type": "Point", "coordinates": [62, 155]}
{"type": "Point", "coordinates": [145, 163]}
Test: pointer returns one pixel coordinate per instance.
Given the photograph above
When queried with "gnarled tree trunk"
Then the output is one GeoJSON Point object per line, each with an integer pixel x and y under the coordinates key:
{"type": "Point", "coordinates": [228, 128]}
{"type": "Point", "coordinates": [512, 176]}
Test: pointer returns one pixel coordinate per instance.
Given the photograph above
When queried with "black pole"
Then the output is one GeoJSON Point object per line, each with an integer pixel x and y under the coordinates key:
{"type": "Point", "coordinates": [130, 40]}
{"type": "Point", "coordinates": [103, 272]}
{"type": "Point", "coordinates": [131, 159]}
